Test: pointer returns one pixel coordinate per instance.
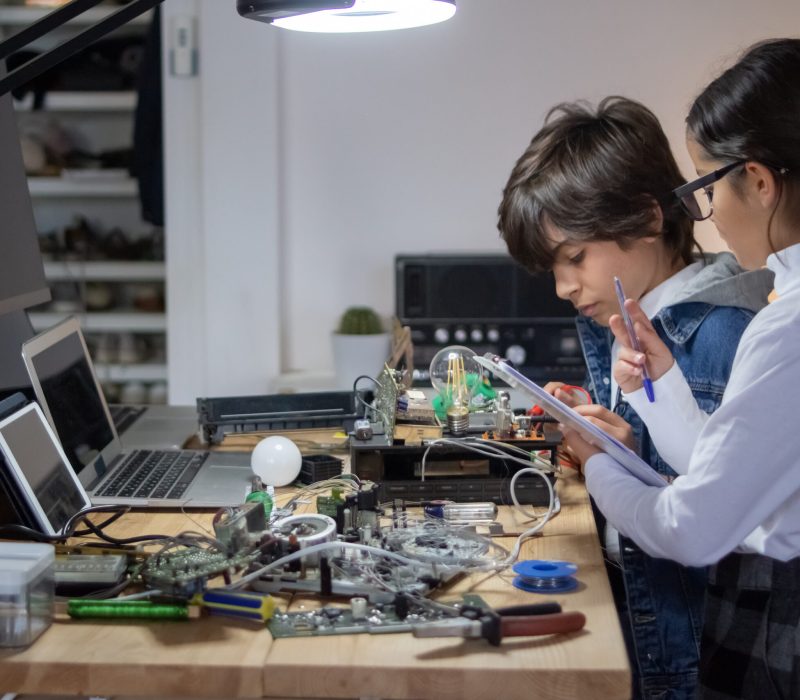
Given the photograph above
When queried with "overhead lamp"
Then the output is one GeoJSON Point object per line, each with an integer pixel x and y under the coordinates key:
{"type": "Point", "coordinates": [340, 16]}
{"type": "Point", "coordinates": [304, 15]}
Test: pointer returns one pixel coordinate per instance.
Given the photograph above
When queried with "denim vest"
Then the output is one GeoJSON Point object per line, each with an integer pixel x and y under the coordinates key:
{"type": "Point", "coordinates": [665, 599]}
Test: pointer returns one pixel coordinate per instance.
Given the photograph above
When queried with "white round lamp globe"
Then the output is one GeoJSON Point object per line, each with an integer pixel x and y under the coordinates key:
{"type": "Point", "coordinates": [276, 460]}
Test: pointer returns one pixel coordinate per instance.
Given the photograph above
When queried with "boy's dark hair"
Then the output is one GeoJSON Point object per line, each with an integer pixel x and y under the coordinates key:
{"type": "Point", "coordinates": [752, 112]}
{"type": "Point", "coordinates": [597, 176]}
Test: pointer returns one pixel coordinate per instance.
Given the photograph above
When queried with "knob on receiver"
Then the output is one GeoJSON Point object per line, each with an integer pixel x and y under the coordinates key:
{"type": "Point", "coordinates": [516, 355]}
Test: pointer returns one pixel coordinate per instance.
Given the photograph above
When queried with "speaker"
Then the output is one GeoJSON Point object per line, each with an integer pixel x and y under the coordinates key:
{"type": "Point", "coordinates": [490, 304]}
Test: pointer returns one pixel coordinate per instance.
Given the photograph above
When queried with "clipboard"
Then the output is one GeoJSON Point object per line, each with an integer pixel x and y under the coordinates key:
{"type": "Point", "coordinates": [566, 415]}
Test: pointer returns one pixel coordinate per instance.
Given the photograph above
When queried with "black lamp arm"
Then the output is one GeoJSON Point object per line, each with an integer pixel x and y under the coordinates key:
{"type": "Point", "coordinates": [44, 62]}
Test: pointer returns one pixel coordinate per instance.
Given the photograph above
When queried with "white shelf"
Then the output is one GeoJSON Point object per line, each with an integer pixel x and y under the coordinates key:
{"type": "Point", "coordinates": [106, 321]}
{"type": "Point", "coordinates": [95, 187]}
{"type": "Point", "coordinates": [128, 373]}
{"type": "Point", "coordinates": [104, 270]}
{"type": "Point", "coordinates": [23, 16]}
{"type": "Point", "coordinates": [112, 101]}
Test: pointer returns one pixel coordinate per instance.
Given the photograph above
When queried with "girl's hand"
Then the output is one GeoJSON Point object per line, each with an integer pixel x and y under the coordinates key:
{"type": "Point", "coordinates": [628, 367]}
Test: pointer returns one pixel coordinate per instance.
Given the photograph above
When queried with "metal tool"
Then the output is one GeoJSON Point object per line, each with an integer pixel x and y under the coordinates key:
{"type": "Point", "coordinates": [495, 625]}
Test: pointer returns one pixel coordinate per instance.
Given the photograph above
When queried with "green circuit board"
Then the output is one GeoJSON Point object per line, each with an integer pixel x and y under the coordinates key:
{"type": "Point", "coordinates": [379, 619]}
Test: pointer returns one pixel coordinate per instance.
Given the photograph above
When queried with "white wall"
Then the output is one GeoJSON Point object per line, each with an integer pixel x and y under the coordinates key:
{"type": "Point", "coordinates": [401, 143]}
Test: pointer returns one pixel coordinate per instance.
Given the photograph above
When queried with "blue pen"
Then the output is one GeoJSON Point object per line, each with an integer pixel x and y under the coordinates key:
{"type": "Point", "coordinates": [648, 384]}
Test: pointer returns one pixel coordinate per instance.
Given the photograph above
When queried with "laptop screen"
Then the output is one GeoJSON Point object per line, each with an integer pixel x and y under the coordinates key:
{"type": "Point", "coordinates": [72, 399]}
{"type": "Point", "coordinates": [38, 466]}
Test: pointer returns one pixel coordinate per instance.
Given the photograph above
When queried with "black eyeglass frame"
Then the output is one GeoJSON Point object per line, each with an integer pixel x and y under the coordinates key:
{"type": "Point", "coordinates": [703, 182]}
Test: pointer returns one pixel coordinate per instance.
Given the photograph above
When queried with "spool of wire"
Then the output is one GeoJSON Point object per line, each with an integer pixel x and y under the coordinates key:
{"type": "Point", "coordinates": [541, 576]}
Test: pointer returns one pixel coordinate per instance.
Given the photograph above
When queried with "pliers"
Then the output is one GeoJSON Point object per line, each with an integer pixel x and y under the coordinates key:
{"type": "Point", "coordinates": [493, 625]}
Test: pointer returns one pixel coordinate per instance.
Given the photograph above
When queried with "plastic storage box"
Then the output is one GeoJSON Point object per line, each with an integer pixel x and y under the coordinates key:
{"type": "Point", "coordinates": [26, 591]}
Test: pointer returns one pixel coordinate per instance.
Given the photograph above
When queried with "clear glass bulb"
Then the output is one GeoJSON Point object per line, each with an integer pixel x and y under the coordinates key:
{"type": "Point", "coordinates": [456, 375]}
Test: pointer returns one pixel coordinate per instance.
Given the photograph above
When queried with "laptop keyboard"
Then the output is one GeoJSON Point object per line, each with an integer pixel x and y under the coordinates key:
{"type": "Point", "coordinates": [123, 416]}
{"type": "Point", "coordinates": [155, 474]}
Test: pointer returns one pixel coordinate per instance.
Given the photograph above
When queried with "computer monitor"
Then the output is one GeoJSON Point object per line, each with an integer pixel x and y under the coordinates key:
{"type": "Point", "coordinates": [22, 280]}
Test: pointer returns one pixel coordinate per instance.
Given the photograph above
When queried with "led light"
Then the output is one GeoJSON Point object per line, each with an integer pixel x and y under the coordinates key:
{"type": "Point", "coordinates": [371, 16]}
{"type": "Point", "coordinates": [455, 375]}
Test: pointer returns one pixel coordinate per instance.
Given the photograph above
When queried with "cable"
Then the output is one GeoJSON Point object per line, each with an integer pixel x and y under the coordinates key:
{"type": "Point", "coordinates": [321, 547]}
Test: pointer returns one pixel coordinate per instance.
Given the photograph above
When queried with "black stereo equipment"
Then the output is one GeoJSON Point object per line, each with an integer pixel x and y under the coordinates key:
{"type": "Point", "coordinates": [490, 304]}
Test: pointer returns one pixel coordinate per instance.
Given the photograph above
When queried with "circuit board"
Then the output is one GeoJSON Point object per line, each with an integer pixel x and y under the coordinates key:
{"type": "Point", "coordinates": [378, 619]}
{"type": "Point", "coordinates": [386, 398]}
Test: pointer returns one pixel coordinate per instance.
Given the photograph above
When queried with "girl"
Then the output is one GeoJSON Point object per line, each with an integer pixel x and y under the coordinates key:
{"type": "Point", "coordinates": [737, 502]}
{"type": "Point", "coordinates": [591, 198]}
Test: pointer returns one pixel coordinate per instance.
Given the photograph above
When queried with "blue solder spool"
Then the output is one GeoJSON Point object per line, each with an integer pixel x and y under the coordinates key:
{"type": "Point", "coordinates": [541, 576]}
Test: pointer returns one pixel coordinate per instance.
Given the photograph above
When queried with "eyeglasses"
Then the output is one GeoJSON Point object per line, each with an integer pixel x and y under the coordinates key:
{"type": "Point", "coordinates": [694, 196]}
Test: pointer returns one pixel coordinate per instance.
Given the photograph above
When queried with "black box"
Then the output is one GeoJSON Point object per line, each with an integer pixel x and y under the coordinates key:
{"type": "Point", "coordinates": [320, 467]}
{"type": "Point", "coordinates": [397, 468]}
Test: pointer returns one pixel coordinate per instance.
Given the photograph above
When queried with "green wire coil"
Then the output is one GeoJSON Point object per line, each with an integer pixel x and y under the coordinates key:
{"type": "Point", "coordinates": [139, 609]}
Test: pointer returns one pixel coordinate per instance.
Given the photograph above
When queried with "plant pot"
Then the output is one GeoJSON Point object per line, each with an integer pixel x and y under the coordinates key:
{"type": "Point", "coordinates": [354, 355]}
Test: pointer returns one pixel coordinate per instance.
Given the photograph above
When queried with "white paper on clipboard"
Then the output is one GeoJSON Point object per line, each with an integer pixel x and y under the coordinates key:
{"type": "Point", "coordinates": [563, 413]}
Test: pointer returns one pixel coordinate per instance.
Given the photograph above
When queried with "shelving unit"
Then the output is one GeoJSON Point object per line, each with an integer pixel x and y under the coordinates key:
{"type": "Point", "coordinates": [107, 200]}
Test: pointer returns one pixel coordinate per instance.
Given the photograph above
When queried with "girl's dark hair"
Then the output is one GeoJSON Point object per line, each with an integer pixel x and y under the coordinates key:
{"type": "Point", "coordinates": [596, 175]}
{"type": "Point", "coordinates": [752, 110]}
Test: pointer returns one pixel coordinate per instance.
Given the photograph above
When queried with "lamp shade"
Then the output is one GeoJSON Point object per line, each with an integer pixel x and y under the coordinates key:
{"type": "Point", "coordinates": [338, 16]}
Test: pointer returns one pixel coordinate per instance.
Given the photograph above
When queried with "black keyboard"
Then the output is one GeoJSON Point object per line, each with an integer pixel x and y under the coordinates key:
{"type": "Point", "coordinates": [123, 416]}
{"type": "Point", "coordinates": [154, 474]}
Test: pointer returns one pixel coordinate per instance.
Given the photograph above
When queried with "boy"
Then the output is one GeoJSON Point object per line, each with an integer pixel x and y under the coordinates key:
{"type": "Point", "coordinates": [591, 199]}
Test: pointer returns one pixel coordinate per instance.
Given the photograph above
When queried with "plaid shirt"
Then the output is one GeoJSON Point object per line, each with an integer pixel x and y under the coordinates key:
{"type": "Point", "coordinates": [751, 639]}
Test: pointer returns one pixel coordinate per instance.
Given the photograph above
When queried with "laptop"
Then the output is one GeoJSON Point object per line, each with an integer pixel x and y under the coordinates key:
{"type": "Point", "coordinates": [154, 426]}
{"type": "Point", "coordinates": [66, 386]}
{"type": "Point", "coordinates": [35, 473]}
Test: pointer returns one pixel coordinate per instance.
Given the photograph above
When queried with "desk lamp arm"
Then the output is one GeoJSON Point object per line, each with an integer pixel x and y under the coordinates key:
{"type": "Point", "coordinates": [53, 20]}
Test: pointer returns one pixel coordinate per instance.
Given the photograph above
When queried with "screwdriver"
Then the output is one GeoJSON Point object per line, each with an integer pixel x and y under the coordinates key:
{"type": "Point", "coordinates": [254, 606]}
{"type": "Point", "coordinates": [495, 625]}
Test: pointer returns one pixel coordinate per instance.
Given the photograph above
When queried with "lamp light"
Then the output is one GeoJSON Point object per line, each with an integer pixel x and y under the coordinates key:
{"type": "Point", "coordinates": [340, 16]}
{"type": "Point", "coordinates": [305, 15]}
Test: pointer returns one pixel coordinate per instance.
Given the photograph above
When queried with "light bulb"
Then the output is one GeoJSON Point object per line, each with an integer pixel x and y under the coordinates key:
{"type": "Point", "coordinates": [276, 460]}
{"type": "Point", "coordinates": [455, 375]}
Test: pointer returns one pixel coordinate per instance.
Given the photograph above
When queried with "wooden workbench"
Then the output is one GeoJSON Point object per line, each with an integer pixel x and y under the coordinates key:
{"type": "Point", "coordinates": [212, 657]}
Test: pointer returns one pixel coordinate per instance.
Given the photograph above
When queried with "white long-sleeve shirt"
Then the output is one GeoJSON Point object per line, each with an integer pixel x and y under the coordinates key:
{"type": "Point", "coordinates": [739, 487]}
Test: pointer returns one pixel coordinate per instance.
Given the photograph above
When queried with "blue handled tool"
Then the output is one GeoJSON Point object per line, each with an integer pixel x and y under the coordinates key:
{"type": "Point", "coordinates": [255, 606]}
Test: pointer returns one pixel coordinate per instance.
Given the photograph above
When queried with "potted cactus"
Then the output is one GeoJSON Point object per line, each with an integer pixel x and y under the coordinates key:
{"type": "Point", "coordinates": [360, 345]}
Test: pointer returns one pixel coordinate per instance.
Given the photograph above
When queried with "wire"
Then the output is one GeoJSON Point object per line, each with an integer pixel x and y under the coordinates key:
{"type": "Point", "coordinates": [324, 546]}
{"type": "Point", "coordinates": [488, 448]}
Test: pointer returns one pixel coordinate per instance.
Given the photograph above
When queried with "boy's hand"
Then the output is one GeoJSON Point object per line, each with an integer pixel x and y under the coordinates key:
{"type": "Point", "coordinates": [607, 421]}
{"type": "Point", "coordinates": [628, 367]}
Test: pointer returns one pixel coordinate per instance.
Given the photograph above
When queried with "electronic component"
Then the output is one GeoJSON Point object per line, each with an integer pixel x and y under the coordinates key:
{"type": "Point", "coordinates": [134, 609]}
{"type": "Point", "coordinates": [235, 527]}
{"type": "Point", "coordinates": [319, 468]}
{"type": "Point", "coordinates": [398, 615]}
{"type": "Point", "coordinates": [469, 513]}
{"type": "Point", "coordinates": [300, 531]}
{"type": "Point", "coordinates": [397, 469]}
{"type": "Point", "coordinates": [362, 430]}
{"type": "Point", "coordinates": [240, 414]}
{"type": "Point", "coordinates": [79, 574]}
{"type": "Point", "coordinates": [182, 567]}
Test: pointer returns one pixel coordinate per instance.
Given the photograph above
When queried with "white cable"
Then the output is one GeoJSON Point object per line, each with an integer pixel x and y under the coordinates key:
{"type": "Point", "coordinates": [487, 449]}
{"type": "Point", "coordinates": [324, 546]}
